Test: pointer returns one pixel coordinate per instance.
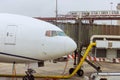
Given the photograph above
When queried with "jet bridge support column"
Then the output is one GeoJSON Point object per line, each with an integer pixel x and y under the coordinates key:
{"type": "Point", "coordinates": [79, 54]}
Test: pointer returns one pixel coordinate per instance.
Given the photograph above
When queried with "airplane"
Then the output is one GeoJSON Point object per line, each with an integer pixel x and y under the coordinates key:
{"type": "Point", "coordinates": [26, 40]}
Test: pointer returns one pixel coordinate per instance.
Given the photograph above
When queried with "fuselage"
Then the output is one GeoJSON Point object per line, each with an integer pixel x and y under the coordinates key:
{"type": "Point", "coordinates": [24, 39]}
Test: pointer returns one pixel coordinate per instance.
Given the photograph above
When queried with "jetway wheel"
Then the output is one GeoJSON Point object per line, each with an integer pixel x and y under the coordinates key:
{"type": "Point", "coordinates": [80, 72]}
{"type": "Point", "coordinates": [71, 70]}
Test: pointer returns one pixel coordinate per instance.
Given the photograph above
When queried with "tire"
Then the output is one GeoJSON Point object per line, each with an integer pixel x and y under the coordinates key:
{"type": "Point", "coordinates": [80, 72]}
{"type": "Point", "coordinates": [71, 70]}
{"type": "Point", "coordinates": [25, 78]}
{"type": "Point", "coordinates": [28, 77]}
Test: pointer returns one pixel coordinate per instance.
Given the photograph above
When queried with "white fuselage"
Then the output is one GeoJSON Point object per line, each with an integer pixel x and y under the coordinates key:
{"type": "Point", "coordinates": [24, 39]}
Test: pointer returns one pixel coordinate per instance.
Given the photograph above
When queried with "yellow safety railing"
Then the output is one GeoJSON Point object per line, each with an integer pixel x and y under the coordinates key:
{"type": "Point", "coordinates": [59, 76]}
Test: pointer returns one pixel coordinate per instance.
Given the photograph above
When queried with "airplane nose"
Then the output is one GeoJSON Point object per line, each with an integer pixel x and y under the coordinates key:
{"type": "Point", "coordinates": [70, 45]}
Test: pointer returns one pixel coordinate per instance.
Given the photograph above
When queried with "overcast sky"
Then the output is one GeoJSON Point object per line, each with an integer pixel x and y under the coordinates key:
{"type": "Point", "coordinates": [46, 8]}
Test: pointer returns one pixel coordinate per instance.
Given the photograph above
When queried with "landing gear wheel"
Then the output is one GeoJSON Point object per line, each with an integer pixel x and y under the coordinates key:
{"type": "Point", "coordinates": [80, 72]}
{"type": "Point", "coordinates": [28, 77]}
{"type": "Point", "coordinates": [71, 70]}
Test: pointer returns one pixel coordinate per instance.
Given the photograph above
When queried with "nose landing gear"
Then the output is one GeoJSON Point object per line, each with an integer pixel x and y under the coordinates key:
{"type": "Point", "coordinates": [29, 74]}
{"type": "Point", "coordinates": [80, 72]}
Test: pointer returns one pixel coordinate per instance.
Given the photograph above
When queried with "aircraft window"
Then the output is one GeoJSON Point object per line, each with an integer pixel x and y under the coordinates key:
{"type": "Point", "coordinates": [60, 33]}
{"type": "Point", "coordinates": [51, 33]}
{"type": "Point", "coordinates": [54, 33]}
{"type": "Point", "coordinates": [48, 33]}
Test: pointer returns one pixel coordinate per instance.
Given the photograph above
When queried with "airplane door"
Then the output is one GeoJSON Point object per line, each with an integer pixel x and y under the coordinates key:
{"type": "Point", "coordinates": [10, 35]}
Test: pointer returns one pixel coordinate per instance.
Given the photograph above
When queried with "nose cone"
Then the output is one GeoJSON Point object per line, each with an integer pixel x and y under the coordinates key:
{"type": "Point", "coordinates": [70, 46]}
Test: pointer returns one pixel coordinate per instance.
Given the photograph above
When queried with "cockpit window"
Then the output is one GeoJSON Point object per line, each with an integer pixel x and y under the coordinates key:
{"type": "Point", "coordinates": [51, 33]}
{"type": "Point", "coordinates": [60, 33]}
{"type": "Point", "coordinates": [48, 33]}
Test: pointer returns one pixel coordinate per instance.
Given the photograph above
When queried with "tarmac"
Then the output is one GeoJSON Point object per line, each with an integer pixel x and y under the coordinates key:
{"type": "Point", "coordinates": [58, 68]}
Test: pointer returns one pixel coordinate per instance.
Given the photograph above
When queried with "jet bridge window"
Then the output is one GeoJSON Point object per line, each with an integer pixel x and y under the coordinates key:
{"type": "Point", "coordinates": [52, 33]}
